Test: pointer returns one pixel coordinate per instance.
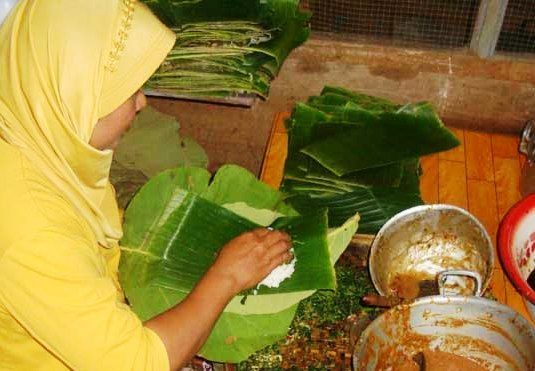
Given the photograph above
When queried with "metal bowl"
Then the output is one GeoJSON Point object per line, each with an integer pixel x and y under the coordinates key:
{"type": "Point", "coordinates": [484, 331]}
{"type": "Point", "coordinates": [424, 241]}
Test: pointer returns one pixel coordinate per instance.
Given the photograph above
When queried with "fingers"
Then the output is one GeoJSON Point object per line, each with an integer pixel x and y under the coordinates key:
{"type": "Point", "coordinates": [282, 258]}
{"type": "Point", "coordinates": [269, 237]}
{"type": "Point", "coordinates": [274, 247]}
{"type": "Point", "coordinates": [260, 232]}
{"type": "Point", "coordinates": [281, 247]}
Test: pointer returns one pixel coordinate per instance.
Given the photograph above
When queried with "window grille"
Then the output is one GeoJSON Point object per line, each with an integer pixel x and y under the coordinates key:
{"type": "Point", "coordinates": [430, 23]}
{"type": "Point", "coordinates": [518, 30]}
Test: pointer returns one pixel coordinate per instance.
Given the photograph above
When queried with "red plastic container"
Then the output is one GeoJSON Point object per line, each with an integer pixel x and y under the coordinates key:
{"type": "Point", "coordinates": [516, 245]}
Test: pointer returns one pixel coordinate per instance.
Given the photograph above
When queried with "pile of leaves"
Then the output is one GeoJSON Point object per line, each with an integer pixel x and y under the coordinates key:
{"type": "Point", "coordinates": [177, 222]}
{"type": "Point", "coordinates": [151, 145]}
{"type": "Point", "coordinates": [227, 47]}
{"type": "Point", "coordinates": [351, 152]}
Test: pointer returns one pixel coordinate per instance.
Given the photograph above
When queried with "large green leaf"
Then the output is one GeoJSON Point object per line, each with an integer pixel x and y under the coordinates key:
{"type": "Point", "coordinates": [412, 131]}
{"type": "Point", "coordinates": [235, 184]}
{"type": "Point", "coordinates": [235, 337]}
{"type": "Point", "coordinates": [152, 145]}
{"type": "Point", "coordinates": [183, 239]}
{"type": "Point", "coordinates": [168, 218]}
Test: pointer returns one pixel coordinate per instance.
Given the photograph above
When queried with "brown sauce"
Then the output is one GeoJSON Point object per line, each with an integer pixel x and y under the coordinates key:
{"type": "Point", "coordinates": [435, 360]}
{"type": "Point", "coordinates": [406, 286]}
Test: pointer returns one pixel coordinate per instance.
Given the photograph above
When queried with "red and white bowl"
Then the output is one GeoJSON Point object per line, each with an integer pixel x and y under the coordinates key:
{"type": "Point", "coordinates": [516, 245]}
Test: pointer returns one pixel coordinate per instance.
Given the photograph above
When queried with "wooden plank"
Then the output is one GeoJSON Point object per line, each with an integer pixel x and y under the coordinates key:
{"type": "Point", "coordinates": [522, 160]}
{"type": "Point", "coordinates": [478, 150]}
{"type": "Point", "coordinates": [488, 26]}
{"type": "Point", "coordinates": [280, 126]}
{"type": "Point", "coordinates": [452, 183]}
{"type": "Point", "coordinates": [429, 179]}
{"type": "Point", "coordinates": [505, 145]}
{"type": "Point", "coordinates": [276, 151]}
{"type": "Point", "coordinates": [483, 205]}
{"type": "Point", "coordinates": [497, 286]}
{"type": "Point", "coordinates": [246, 100]}
{"type": "Point", "coordinates": [457, 153]}
{"type": "Point", "coordinates": [515, 301]}
{"type": "Point", "coordinates": [507, 174]}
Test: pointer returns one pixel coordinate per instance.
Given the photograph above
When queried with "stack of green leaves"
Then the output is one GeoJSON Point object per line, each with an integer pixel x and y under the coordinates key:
{"type": "Point", "coordinates": [351, 152]}
{"type": "Point", "coordinates": [175, 226]}
{"type": "Point", "coordinates": [227, 47]}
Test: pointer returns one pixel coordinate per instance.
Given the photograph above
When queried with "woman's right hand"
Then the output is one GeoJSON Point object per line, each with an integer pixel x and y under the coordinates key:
{"type": "Point", "coordinates": [250, 257]}
{"type": "Point", "coordinates": [240, 264]}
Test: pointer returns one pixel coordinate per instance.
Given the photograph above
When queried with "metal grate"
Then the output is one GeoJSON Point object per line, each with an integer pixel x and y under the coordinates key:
{"type": "Point", "coordinates": [431, 23]}
{"type": "Point", "coordinates": [518, 31]}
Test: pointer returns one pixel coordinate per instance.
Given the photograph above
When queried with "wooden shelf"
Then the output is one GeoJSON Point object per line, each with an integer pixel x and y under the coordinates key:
{"type": "Point", "coordinates": [246, 100]}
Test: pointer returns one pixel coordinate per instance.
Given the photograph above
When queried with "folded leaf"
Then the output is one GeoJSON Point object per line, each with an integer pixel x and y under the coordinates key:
{"type": "Point", "coordinates": [235, 184]}
{"type": "Point", "coordinates": [412, 131]}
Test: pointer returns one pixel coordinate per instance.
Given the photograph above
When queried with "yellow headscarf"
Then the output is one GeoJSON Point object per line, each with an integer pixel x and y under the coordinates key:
{"type": "Point", "coordinates": [63, 65]}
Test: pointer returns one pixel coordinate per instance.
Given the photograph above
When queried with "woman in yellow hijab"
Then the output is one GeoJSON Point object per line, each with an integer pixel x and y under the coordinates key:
{"type": "Point", "coordinates": [70, 74]}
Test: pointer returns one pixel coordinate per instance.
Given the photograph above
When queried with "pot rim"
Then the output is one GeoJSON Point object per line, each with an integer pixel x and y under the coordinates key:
{"type": "Point", "coordinates": [416, 209]}
{"type": "Point", "coordinates": [454, 300]}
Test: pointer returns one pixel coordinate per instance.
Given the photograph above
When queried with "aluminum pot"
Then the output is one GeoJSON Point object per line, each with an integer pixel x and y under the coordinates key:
{"type": "Point", "coordinates": [423, 241]}
{"type": "Point", "coordinates": [484, 331]}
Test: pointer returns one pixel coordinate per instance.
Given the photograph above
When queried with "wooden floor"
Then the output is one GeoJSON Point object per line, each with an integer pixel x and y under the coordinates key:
{"type": "Point", "coordinates": [482, 175]}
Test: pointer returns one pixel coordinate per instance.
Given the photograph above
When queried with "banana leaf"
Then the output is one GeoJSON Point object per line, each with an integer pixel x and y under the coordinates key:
{"type": "Point", "coordinates": [412, 131]}
{"type": "Point", "coordinates": [212, 35]}
{"type": "Point", "coordinates": [365, 101]}
{"type": "Point", "coordinates": [152, 144]}
{"type": "Point", "coordinates": [375, 204]}
{"type": "Point", "coordinates": [351, 152]}
{"type": "Point", "coordinates": [384, 176]}
{"type": "Point", "coordinates": [151, 219]}
{"type": "Point", "coordinates": [233, 184]}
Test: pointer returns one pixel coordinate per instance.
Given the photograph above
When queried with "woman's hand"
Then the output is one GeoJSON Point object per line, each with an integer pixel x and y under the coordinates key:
{"type": "Point", "coordinates": [241, 264]}
{"type": "Point", "coordinates": [250, 257]}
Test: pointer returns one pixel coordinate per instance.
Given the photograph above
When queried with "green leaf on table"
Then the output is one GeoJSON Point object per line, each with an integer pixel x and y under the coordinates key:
{"type": "Point", "coordinates": [375, 205]}
{"type": "Point", "coordinates": [412, 131]}
{"type": "Point", "coordinates": [172, 234]}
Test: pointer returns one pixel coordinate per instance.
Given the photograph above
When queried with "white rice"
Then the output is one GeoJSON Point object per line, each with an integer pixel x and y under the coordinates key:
{"type": "Point", "coordinates": [279, 274]}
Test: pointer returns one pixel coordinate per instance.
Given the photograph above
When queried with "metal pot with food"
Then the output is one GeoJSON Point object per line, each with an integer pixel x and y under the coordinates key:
{"type": "Point", "coordinates": [414, 246]}
{"type": "Point", "coordinates": [447, 333]}
{"type": "Point", "coordinates": [437, 260]}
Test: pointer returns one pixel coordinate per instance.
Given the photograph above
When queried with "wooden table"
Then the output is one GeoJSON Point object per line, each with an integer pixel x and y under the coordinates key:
{"type": "Point", "coordinates": [481, 175]}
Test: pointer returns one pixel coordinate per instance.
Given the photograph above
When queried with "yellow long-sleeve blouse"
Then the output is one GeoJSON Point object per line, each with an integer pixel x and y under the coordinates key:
{"type": "Point", "coordinates": [60, 303]}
